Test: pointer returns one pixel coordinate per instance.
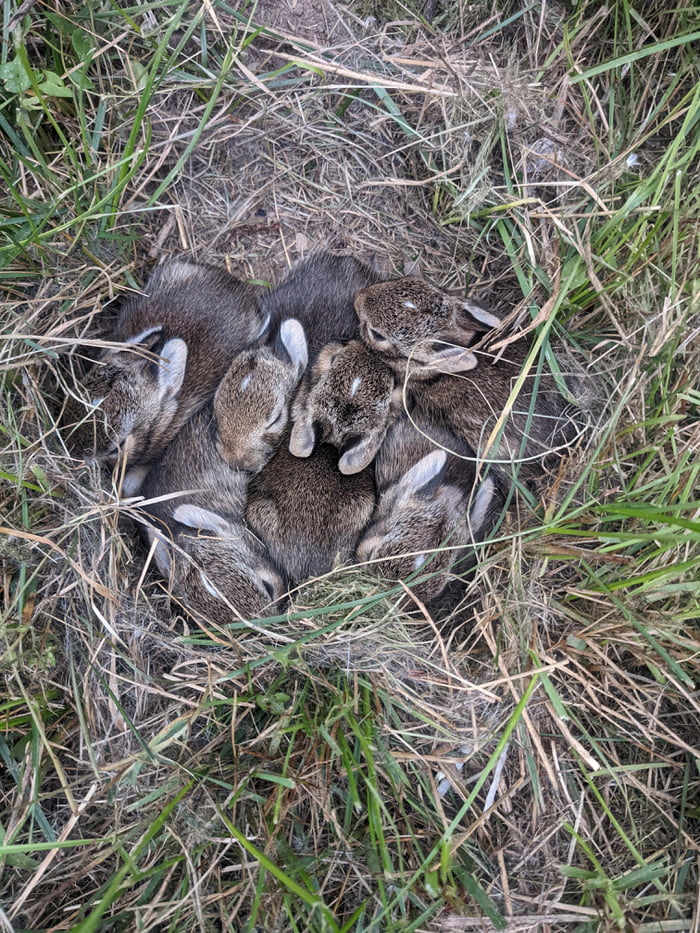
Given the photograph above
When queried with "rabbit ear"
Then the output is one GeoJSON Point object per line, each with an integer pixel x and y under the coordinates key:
{"type": "Point", "coordinates": [355, 458]}
{"type": "Point", "coordinates": [481, 505]}
{"type": "Point", "coordinates": [292, 342]}
{"type": "Point", "coordinates": [325, 358]}
{"type": "Point", "coordinates": [148, 339]}
{"type": "Point", "coordinates": [202, 519]}
{"type": "Point", "coordinates": [446, 358]}
{"type": "Point", "coordinates": [475, 315]}
{"type": "Point", "coordinates": [303, 437]}
{"type": "Point", "coordinates": [426, 475]}
{"type": "Point", "coordinates": [264, 328]}
{"type": "Point", "coordinates": [161, 554]}
{"type": "Point", "coordinates": [171, 370]}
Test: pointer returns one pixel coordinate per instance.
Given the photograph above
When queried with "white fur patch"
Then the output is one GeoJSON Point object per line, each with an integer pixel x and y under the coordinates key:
{"type": "Point", "coordinates": [480, 505]}
{"type": "Point", "coordinates": [246, 382]}
{"type": "Point", "coordinates": [410, 306]}
{"type": "Point", "coordinates": [419, 561]}
{"type": "Point", "coordinates": [208, 585]}
{"type": "Point", "coordinates": [139, 338]}
{"type": "Point", "coordinates": [356, 383]}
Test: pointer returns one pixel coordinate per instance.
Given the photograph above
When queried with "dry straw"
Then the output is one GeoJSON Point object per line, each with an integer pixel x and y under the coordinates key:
{"type": "Point", "coordinates": [530, 763]}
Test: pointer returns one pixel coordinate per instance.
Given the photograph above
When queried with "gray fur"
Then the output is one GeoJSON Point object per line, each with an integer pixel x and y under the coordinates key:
{"type": "Point", "coordinates": [431, 507]}
{"type": "Point", "coordinates": [214, 564]}
{"type": "Point", "coordinates": [251, 405]}
{"type": "Point", "coordinates": [463, 387]}
{"type": "Point", "coordinates": [349, 401]}
{"type": "Point", "coordinates": [308, 513]}
{"type": "Point", "coordinates": [181, 335]}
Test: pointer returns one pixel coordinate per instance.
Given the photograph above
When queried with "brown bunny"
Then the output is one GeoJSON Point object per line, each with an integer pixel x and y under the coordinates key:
{"type": "Point", "coordinates": [307, 512]}
{"type": "Point", "coordinates": [349, 402]}
{"type": "Point", "coordinates": [178, 339]}
{"type": "Point", "coordinates": [432, 506]}
{"type": "Point", "coordinates": [428, 338]}
{"type": "Point", "coordinates": [251, 405]}
{"type": "Point", "coordinates": [194, 504]}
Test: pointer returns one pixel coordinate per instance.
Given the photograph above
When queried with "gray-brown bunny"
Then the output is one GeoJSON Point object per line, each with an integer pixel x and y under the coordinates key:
{"type": "Point", "coordinates": [320, 293]}
{"type": "Point", "coordinates": [432, 506]}
{"type": "Point", "coordinates": [428, 337]}
{"type": "Point", "coordinates": [307, 512]}
{"type": "Point", "coordinates": [194, 505]}
{"type": "Point", "coordinates": [179, 339]}
{"type": "Point", "coordinates": [349, 401]}
{"type": "Point", "coordinates": [411, 319]}
{"type": "Point", "coordinates": [251, 405]}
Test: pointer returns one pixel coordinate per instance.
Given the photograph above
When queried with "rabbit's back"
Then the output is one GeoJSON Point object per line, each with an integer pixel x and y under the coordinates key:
{"type": "Point", "coordinates": [308, 513]}
{"type": "Point", "coordinates": [320, 292]}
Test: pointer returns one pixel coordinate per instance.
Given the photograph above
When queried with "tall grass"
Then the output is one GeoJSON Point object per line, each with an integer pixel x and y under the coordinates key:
{"type": "Point", "coordinates": [532, 764]}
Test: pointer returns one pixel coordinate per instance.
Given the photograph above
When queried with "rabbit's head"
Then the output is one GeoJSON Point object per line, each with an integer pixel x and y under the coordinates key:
{"type": "Point", "coordinates": [134, 392]}
{"type": "Point", "coordinates": [349, 403]}
{"type": "Point", "coordinates": [251, 404]}
{"type": "Point", "coordinates": [176, 342]}
{"type": "Point", "coordinates": [422, 525]}
{"type": "Point", "coordinates": [409, 318]}
{"type": "Point", "coordinates": [215, 567]}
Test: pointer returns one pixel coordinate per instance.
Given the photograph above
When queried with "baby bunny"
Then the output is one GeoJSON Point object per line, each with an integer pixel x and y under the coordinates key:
{"type": "Point", "coordinates": [308, 513]}
{"type": "Point", "coordinates": [179, 339]}
{"type": "Point", "coordinates": [215, 567]}
{"type": "Point", "coordinates": [320, 292]}
{"type": "Point", "coordinates": [252, 402]}
{"type": "Point", "coordinates": [348, 402]}
{"type": "Point", "coordinates": [409, 318]}
{"type": "Point", "coordinates": [195, 503]}
{"type": "Point", "coordinates": [430, 510]}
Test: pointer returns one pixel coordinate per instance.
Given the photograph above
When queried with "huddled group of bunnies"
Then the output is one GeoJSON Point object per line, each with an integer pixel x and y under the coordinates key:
{"type": "Point", "coordinates": [333, 419]}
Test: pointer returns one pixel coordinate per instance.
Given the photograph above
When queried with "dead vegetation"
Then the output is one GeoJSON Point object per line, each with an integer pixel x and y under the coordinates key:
{"type": "Point", "coordinates": [531, 764]}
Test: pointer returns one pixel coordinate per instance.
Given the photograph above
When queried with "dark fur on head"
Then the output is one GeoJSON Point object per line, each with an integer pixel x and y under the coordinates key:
{"type": "Point", "coordinates": [349, 401]}
{"type": "Point", "coordinates": [307, 512]}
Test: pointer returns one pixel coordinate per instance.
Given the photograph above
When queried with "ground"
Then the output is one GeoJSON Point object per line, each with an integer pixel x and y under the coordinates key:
{"type": "Point", "coordinates": [532, 762]}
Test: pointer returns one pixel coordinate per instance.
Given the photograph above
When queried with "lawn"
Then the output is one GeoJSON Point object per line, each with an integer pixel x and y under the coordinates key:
{"type": "Point", "coordinates": [530, 763]}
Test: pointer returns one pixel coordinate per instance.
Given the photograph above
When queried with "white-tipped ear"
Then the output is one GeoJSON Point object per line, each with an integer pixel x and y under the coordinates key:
{"type": "Point", "coordinates": [264, 327]}
{"type": "Point", "coordinates": [481, 504]}
{"type": "Point", "coordinates": [133, 481]}
{"type": "Point", "coordinates": [294, 342]}
{"type": "Point", "coordinates": [452, 360]}
{"type": "Point", "coordinates": [161, 555]}
{"type": "Point", "coordinates": [302, 440]}
{"type": "Point", "coordinates": [427, 472]}
{"type": "Point", "coordinates": [143, 336]}
{"type": "Point", "coordinates": [202, 519]}
{"type": "Point", "coordinates": [359, 456]}
{"type": "Point", "coordinates": [171, 370]}
{"type": "Point", "coordinates": [479, 313]}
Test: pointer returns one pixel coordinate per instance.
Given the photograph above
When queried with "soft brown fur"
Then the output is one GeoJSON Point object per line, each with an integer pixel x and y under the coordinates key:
{"type": "Point", "coordinates": [199, 529]}
{"type": "Point", "coordinates": [409, 318]}
{"type": "Point", "coordinates": [251, 405]}
{"type": "Point", "coordinates": [194, 318]}
{"type": "Point", "coordinates": [348, 402]}
{"type": "Point", "coordinates": [431, 508]}
{"type": "Point", "coordinates": [307, 512]}
{"type": "Point", "coordinates": [431, 348]}
{"type": "Point", "coordinates": [320, 292]}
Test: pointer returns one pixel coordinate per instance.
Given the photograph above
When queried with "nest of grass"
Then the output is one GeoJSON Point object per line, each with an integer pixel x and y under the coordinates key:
{"type": "Point", "coordinates": [529, 762]}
